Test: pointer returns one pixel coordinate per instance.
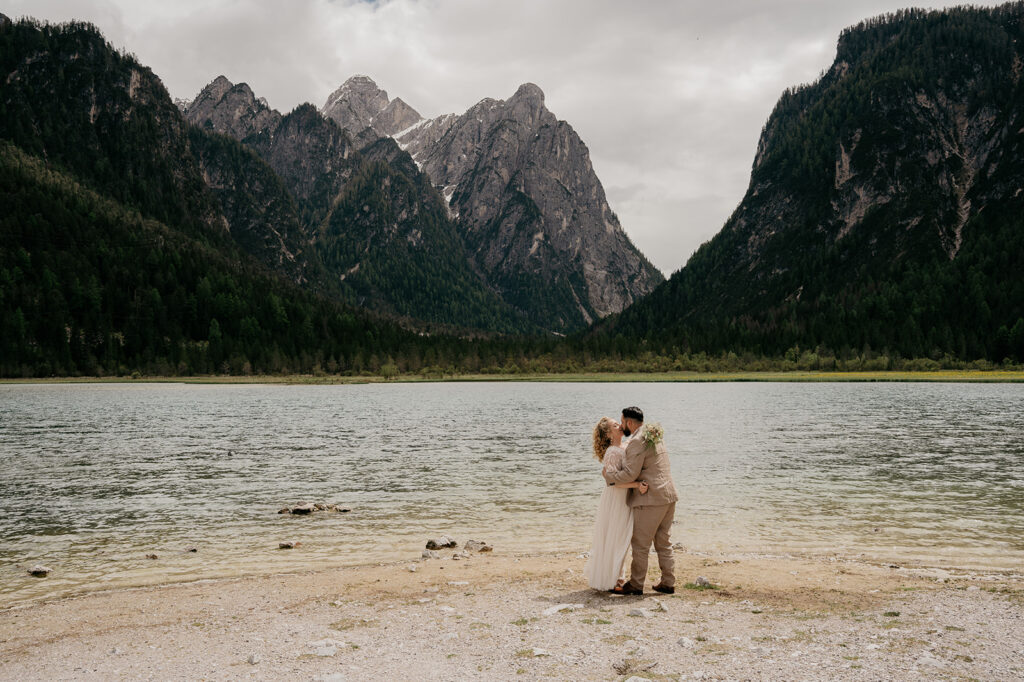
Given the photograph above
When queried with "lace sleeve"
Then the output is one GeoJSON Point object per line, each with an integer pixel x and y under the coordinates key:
{"type": "Point", "coordinates": [612, 460]}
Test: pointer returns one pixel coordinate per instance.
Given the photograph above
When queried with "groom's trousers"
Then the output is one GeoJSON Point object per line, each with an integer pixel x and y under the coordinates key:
{"type": "Point", "coordinates": [652, 524]}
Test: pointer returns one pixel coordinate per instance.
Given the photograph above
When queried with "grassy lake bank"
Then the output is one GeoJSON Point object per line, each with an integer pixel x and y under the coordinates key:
{"type": "Point", "coordinates": [955, 376]}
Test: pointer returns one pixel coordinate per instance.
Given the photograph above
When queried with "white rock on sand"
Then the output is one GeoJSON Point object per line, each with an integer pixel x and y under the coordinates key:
{"type": "Point", "coordinates": [559, 608]}
{"type": "Point", "coordinates": [326, 647]}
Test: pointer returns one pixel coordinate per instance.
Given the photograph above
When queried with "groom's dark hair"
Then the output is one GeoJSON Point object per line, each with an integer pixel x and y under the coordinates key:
{"type": "Point", "coordinates": [633, 413]}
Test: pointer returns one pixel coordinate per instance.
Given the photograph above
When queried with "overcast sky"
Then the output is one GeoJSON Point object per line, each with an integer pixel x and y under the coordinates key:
{"type": "Point", "coordinates": [669, 96]}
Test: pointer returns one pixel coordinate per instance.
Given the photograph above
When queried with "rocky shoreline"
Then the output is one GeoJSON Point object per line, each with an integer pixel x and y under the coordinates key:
{"type": "Point", "coordinates": [497, 616]}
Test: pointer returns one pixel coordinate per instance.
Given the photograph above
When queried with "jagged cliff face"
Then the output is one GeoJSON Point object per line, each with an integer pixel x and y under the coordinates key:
{"type": "Point", "coordinates": [311, 154]}
{"type": "Point", "coordinates": [956, 147]}
{"type": "Point", "coordinates": [260, 212]}
{"type": "Point", "coordinates": [532, 211]}
{"type": "Point", "coordinates": [919, 160]}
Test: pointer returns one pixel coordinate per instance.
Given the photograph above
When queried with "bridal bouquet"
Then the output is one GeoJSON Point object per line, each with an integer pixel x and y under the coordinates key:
{"type": "Point", "coordinates": [652, 433]}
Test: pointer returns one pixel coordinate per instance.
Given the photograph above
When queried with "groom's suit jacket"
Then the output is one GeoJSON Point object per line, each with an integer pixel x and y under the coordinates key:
{"type": "Point", "coordinates": [649, 463]}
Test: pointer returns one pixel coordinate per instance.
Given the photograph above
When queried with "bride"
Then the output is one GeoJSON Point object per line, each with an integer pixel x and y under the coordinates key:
{"type": "Point", "coordinates": [614, 525]}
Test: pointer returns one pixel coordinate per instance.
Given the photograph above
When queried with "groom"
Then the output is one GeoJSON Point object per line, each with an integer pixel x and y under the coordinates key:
{"type": "Point", "coordinates": [653, 512]}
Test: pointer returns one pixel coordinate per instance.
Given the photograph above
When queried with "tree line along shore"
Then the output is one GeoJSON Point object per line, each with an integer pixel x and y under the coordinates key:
{"type": "Point", "coordinates": [1014, 375]}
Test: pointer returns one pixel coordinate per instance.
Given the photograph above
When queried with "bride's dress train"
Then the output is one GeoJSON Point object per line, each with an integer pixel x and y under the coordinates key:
{"type": "Point", "coordinates": [613, 529]}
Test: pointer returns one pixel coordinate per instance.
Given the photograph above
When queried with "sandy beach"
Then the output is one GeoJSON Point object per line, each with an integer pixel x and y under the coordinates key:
{"type": "Point", "coordinates": [501, 616]}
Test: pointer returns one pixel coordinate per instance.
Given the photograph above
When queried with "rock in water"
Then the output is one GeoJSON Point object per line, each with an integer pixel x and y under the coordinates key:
{"type": "Point", "coordinates": [477, 546]}
{"type": "Point", "coordinates": [288, 544]}
{"type": "Point", "coordinates": [441, 542]}
{"type": "Point", "coordinates": [152, 556]}
{"type": "Point", "coordinates": [306, 508]}
{"type": "Point", "coordinates": [39, 571]}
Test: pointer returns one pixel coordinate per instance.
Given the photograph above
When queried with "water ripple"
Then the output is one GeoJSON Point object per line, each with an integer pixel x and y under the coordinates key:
{"type": "Point", "coordinates": [93, 477]}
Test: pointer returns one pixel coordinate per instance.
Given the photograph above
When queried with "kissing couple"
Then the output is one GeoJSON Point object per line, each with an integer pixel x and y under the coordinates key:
{"type": "Point", "coordinates": [637, 506]}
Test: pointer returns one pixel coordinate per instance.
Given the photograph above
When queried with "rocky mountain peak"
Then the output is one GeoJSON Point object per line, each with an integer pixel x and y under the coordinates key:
{"type": "Point", "coordinates": [358, 91]}
{"type": "Point", "coordinates": [517, 182]}
{"type": "Point", "coordinates": [231, 109]}
{"type": "Point", "coordinates": [359, 104]}
{"type": "Point", "coordinates": [533, 212]}
{"type": "Point", "coordinates": [216, 88]}
{"type": "Point", "coordinates": [528, 92]}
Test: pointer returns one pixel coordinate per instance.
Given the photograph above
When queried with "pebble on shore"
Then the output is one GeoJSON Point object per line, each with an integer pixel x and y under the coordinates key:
{"type": "Point", "coordinates": [409, 623]}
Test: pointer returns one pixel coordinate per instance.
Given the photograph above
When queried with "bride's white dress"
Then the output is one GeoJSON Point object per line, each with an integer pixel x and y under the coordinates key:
{"type": "Point", "coordinates": [612, 530]}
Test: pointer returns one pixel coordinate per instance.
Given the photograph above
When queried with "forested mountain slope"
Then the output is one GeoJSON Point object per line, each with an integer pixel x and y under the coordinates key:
{"type": "Point", "coordinates": [884, 210]}
{"type": "Point", "coordinates": [132, 241]}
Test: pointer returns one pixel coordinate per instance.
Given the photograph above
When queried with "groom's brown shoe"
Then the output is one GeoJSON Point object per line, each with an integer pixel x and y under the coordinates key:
{"type": "Point", "coordinates": [664, 589]}
{"type": "Point", "coordinates": [629, 589]}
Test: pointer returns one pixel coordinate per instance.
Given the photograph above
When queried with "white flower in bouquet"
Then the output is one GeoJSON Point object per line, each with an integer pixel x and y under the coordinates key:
{"type": "Point", "coordinates": [652, 433]}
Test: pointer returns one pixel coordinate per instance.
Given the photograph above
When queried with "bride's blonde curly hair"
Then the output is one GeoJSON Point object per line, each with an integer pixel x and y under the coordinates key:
{"type": "Point", "coordinates": [602, 438]}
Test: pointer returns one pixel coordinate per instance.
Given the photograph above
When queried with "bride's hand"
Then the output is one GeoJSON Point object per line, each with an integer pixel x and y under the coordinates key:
{"type": "Point", "coordinates": [642, 487]}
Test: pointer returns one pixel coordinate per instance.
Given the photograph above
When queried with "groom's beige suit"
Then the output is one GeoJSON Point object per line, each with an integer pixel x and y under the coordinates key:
{"type": "Point", "coordinates": [652, 512]}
